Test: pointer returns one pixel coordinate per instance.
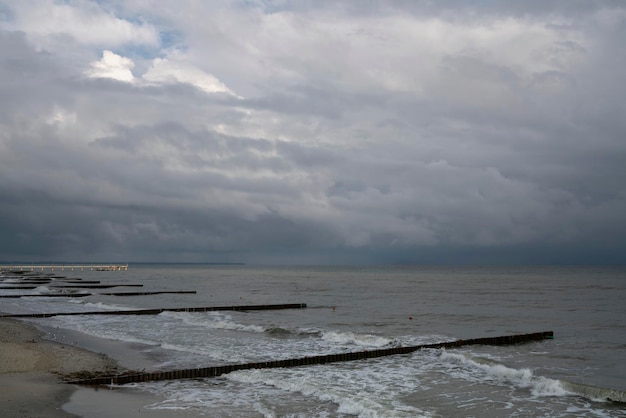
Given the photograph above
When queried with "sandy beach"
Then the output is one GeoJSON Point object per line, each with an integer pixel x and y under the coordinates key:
{"type": "Point", "coordinates": [32, 370]}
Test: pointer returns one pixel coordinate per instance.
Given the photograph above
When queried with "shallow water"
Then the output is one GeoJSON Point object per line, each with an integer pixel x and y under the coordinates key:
{"type": "Point", "coordinates": [354, 309]}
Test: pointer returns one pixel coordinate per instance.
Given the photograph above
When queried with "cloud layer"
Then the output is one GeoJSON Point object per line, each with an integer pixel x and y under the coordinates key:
{"type": "Point", "coordinates": [306, 132]}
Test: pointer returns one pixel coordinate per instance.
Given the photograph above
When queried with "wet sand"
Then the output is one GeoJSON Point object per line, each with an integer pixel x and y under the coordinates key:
{"type": "Point", "coordinates": [31, 371]}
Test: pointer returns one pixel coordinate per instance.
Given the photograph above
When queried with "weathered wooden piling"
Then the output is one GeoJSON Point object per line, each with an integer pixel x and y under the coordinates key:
{"type": "Point", "coordinates": [50, 295]}
{"type": "Point", "coordinates": [77, 281]}
{"type": "Point", "coordinates": [158, 311]}
{"type": "Point", "coordinates": [32, 281]}
{"type": "Point", "coordinates": [189, 292]}
{"type": "Point", "coordinates": [92, 286]}
{"type": "Point", "coordinates": [305, 361]}
{"type": "Point", "coordinates": [18, 287]}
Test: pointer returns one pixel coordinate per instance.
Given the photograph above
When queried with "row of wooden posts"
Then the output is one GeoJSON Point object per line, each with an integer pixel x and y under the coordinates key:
{"type": "Point", "coordinates": [304, 361]}
{"type": "Point", "coordinates": [30, 282]}
{"type": "Point", "coordinates": [80, 295]}
{"type": "Point", "coordinates": [161, 310]}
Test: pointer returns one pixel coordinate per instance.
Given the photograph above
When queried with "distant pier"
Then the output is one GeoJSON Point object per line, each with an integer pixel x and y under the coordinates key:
{"type": "Point", "coordinates": [64, 267]}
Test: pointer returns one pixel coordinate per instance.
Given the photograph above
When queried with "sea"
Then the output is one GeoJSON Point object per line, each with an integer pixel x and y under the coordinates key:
{"type": "Point", "coordinates": [581, 372]}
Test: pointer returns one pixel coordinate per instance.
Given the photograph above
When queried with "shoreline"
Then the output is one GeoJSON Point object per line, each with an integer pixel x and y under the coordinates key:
{"type": "Point", "coordinates": [32, 370]}
{"type": "Point", "coordinates": [33, 367]}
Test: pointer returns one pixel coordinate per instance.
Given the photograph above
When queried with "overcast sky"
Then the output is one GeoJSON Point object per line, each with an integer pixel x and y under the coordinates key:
{"type": "Point", "coordinates": [308, 132]}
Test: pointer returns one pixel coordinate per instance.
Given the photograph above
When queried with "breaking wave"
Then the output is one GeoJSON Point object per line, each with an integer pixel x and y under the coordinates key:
{"type": "Point", "coordinates": [539, 386]}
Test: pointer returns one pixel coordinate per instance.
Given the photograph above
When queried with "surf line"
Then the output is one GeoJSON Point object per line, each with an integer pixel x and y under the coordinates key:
{"type": "Point", "coordinates": [134, 377]}
{"type": "Point", "coordinates": [160, 310]}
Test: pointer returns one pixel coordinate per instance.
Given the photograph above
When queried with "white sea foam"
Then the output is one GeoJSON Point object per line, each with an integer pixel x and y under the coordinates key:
{"type": "Point", "coordinates": [365, 340]}
{"type": "Point", "coordinates": [42, 289]}
{"type": "Point", "coordinates": [233, 399]}
{"type": "Point", "coordinates": [337, 387]}
{"type": "Point", "coordinates": [234, 326]}
{"type": "Point", "coordinates": [96, 306]}
{"type": "Point", "coordinates": [212, 320]}
{"type": "Point", "coordinates": [595, 393]}
{"type": "Point", "coordinates": [497, 373]}
{"type": "Point", "coordinates": [141, 330]}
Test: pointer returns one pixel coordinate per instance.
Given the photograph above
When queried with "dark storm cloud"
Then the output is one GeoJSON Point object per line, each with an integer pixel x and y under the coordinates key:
{"type": "Point", "coordinates": [23, 72]}
{"type": "Point", "coordinates": [436, 132]}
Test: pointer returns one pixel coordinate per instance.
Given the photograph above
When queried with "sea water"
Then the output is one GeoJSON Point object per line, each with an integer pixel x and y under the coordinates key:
{"type": "Point", "coordinates": [581, 372]}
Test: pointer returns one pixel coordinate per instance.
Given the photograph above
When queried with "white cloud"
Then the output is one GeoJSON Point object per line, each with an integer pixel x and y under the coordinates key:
{"type": "Point", "coordinates": [175, 69]}
{"type": "Point", "coordinates": [163, 71]}
{"type": "Point", "coordinates": [112, 66]}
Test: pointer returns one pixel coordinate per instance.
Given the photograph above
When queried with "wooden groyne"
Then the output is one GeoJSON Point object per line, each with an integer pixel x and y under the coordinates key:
{"type": "Point", "coordinates": [92, 286]}
{"type": "Point", "coordinates": [18, 287]}
{"type": "Point", "coordinates": [158, 311]}
{"type": "Point", "coordinates": [80, 295]}
{"type": "Point", "coordinates": [182, 292]}
{"type": "Point", "coordinates": [305, 361]}
{"type": "Point", "coordinates": [77, 281]}
{"type": "Point", "coordinates": [49, 295]}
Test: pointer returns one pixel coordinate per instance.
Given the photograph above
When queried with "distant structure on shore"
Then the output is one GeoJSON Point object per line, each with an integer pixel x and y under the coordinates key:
{"type": "Point", "coordinates": [63, 267]}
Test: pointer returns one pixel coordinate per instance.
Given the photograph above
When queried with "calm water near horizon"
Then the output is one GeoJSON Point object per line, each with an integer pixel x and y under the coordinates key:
{"type": "Point", "coordinates": [354, 309]}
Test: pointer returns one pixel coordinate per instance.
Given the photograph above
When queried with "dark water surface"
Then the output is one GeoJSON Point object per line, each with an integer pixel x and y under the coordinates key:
{"type": "Point", "coordinates": [354, 309]}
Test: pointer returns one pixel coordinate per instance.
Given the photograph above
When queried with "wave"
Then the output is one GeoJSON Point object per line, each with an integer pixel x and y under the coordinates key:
{"type": "Point", "coordinates": [100, 305]}
{"type": "Point", "coordinates": [278, 332]}
{"type": "Point", "coordinates": [11, 280]}
{"type": "Point", "coordinates": [100, 329]}
{"type": "Point", "coordinates": [364, 340]}
{"type": "Point", "coordinates": [222, 321]}
{"type": "Point", "coordinates": [349, 402]}
{"type": "Point", "coordinates": [213, 321]}
{"type": "Point", "coordinates": [45, 290]}
{"type": "Point", "coordinates": [234, 326]}
{"type": "Point", "coordinates": [539, 386]}
{"type": "Point", "coordinates": [595, 393]}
